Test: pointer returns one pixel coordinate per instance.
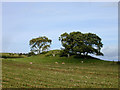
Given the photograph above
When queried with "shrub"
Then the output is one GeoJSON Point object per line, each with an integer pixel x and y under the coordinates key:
{"type": "Point", "coordinates": [31, 53]}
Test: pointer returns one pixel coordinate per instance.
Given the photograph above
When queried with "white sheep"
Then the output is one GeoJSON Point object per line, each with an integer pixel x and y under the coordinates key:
{"type": "Point", "coordinates": [56, 62]}
{"type": "Point", "coordinates": [63, 63]}
{"type": "Point", "coordinates": [81, 61]}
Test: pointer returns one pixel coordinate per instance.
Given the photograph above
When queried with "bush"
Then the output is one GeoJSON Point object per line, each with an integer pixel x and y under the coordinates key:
{"type": "Point", "coordinates": [20, 54]}
{"type": "Point", "coordinates": [30, 54]}
{"type": "Point", "coordinates": [63, 53]}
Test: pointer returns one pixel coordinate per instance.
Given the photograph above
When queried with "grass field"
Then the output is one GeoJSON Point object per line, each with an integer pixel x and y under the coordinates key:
{"type": "Point", "coordinates": [49, 72]}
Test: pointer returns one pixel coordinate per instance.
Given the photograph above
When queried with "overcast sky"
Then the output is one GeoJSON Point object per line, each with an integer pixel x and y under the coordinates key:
{"type": "Point", "coordinates": [23, 21]}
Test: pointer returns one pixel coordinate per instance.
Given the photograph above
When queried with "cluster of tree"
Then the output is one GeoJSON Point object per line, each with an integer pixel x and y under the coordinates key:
{"type": "Point", "coordinates": [74, 43]}
{"type": "Point", "coordinates": [12, 54]}
{"type": "Point", "coordinates": [78, 43]}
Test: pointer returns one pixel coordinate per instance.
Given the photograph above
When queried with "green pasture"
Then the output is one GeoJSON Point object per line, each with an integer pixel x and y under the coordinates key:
{"type": "Point", "coordinates": [42, 71]}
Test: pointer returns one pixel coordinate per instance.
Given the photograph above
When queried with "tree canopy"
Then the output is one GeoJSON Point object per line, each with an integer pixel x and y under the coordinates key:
{"type": "Point", "coordinates": [40, 44]}
{"type": "Point", "coordinates": [78, 43]}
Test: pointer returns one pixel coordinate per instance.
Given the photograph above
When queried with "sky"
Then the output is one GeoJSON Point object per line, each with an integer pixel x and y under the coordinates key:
{"type": "Point", "coordinates": [22, 21]}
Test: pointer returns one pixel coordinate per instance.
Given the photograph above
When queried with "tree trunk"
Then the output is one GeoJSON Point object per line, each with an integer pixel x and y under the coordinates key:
{"type": "Point", "coordinates": [53, 55]}
{"type": "Point", "coordinates": [68, 55]}
{"type": "Point", "coordinates": [39, 51]}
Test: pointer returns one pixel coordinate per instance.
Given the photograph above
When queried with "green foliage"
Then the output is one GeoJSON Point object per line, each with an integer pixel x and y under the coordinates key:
{"type": "Point", "coordinates": [63, 53]}
{"type": "Point", "coordinates": [79, 43]}
{"type": "Point", "coordinates": [20, 54]}
{"type": "Point", "coordinates": [40, 44]}
{"type": "Point", "coordinates": [31, 54]}
{"type": "Point", "coordinates": [12, 55]}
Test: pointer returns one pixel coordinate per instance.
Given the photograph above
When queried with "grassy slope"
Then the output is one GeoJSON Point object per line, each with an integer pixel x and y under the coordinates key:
{"type": "Point", "coordinates": [44, 73]}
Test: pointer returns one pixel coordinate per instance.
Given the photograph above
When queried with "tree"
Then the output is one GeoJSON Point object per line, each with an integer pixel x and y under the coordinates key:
{"type": "Point", "coordinates": [93, 42]}
{"type": "Point", "coordinates": [79, 43]}
{"type": "Point", "coordinates": [40, 44]}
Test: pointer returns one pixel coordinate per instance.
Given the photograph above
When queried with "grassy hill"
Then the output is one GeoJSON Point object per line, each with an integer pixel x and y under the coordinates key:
{"type": "Point", "coordinates": [43, 71]}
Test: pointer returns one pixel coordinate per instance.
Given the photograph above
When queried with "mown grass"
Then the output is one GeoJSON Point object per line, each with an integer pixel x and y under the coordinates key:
{"type": "Point", "coordinates": [45, 73]}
